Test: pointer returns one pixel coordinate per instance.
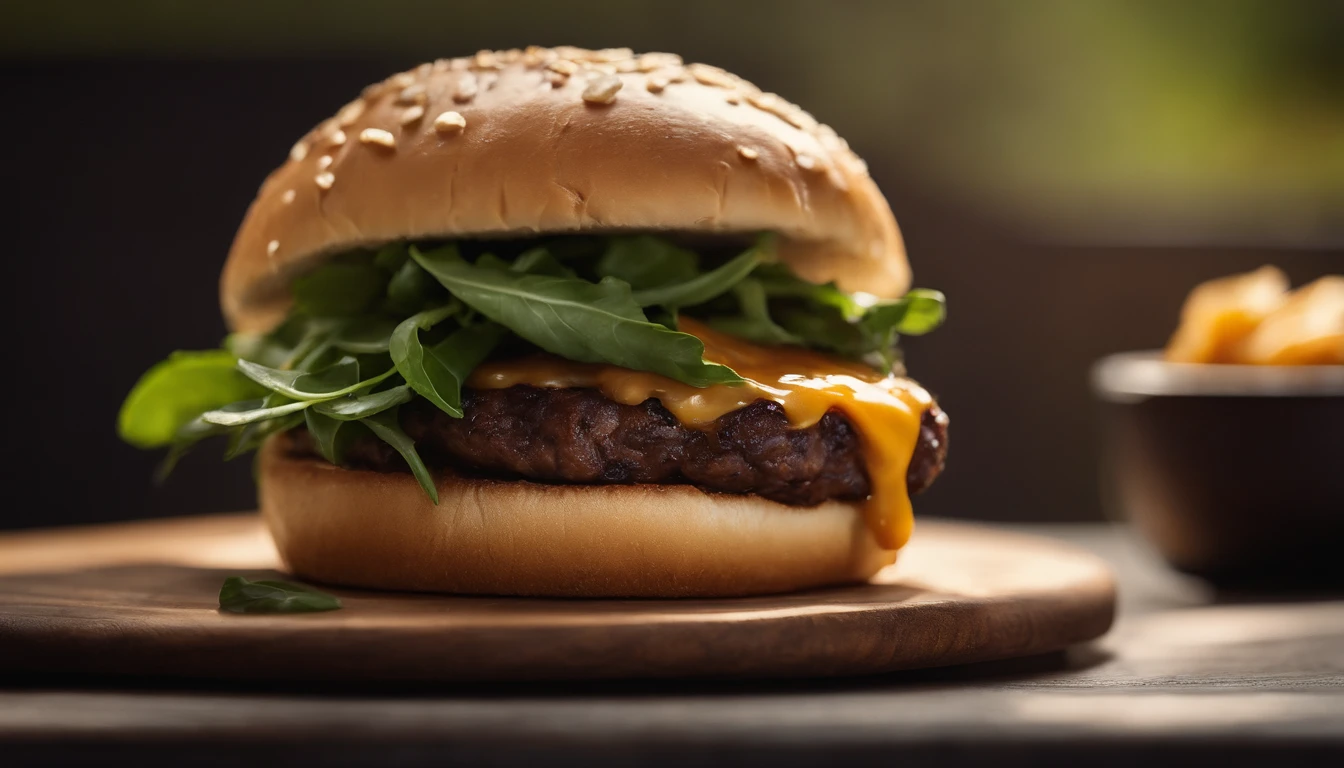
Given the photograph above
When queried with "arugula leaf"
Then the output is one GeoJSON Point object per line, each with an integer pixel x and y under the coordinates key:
{"type": "Point", "coordinates": [177, 390]}
{"type": "Point", "coordinates": [914, 314]}
{"type": "Point", "coordinates": [256, 412]}
{"type": "Point", "coordinates": [354, 407]}
{"type": "Point", "coordinates": [422, 372]}
{"type": "Point", "coordinates": [576, 319]}
{"type": "Point", "coordinates": [645, 261]}
{"type": "Point", "coordinates": [540, 261]}
{"type": "Point", "coordinates": [312, 344]}
{"type": "Point", "coordinates": [334, 381]}
{"type": "Point", "coordinates": [411, 289]}
{"type": "Point", "coordinates": [390, 257]}
{"type": "Point", "coordinates": [387, 426]}
{"type": "Point", "coordinates": [755, 323]}
{"type": "Point", "coordinates": [186, 438]}
{"type": "Point", "coordinates": [365, 312]}
{"type": "Point", "coordinates": [324, 429]}
{"type": "Point", "coordinates": [703, 287]}
{"type": "Point", "coordinates": [364, 337]}
{"type": "Point", "coordinates": [238, 595]}
{"type": "Point", "coordinates": [780, 282]}
{"type": "Point", "coordinates": [466, 348]}
{"type": "Point", "coordinates": [826, 328]}
{"type": "Point", "coordinates": [249, 436]}
{"type": "Point", "coordinates": [268, 350]}
{"type": "Point", "coordinates": [339, 289]}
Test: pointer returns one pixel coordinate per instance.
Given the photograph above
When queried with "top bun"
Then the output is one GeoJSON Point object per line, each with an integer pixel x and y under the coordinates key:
{"type": "Point", "coordinates": [563, 140]}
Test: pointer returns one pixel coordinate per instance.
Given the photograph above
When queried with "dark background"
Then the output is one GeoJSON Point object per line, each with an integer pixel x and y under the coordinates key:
{"type": "Point", "coordinates": [1063, 171]}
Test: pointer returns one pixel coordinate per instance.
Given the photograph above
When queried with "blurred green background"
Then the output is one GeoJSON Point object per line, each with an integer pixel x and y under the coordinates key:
{"type": "Point", "coordinates": [1064, 169]}
{"type": "Point", "coordinates": [1190, 118]}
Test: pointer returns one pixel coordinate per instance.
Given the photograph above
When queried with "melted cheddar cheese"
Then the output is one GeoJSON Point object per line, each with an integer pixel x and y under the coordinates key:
{"type": "Point", "coordinates": [885, 410]}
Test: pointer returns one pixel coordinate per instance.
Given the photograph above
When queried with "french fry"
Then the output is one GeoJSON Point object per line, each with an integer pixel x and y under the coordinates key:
{"type": "Point", "coordinates": [1307, 330]}
{"type": "Point", "coordinates": [1219, 315]}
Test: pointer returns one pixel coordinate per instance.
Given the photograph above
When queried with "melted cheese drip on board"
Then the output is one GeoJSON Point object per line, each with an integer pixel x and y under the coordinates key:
{"type": "Point", "coordinates": [885, 410]}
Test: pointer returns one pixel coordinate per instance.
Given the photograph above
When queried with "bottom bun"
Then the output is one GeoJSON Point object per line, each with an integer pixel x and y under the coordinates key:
{"type": "Point", "coordinates": [380, 530]}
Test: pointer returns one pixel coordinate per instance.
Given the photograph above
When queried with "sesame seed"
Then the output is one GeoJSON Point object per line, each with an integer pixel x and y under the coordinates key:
{"type": "Point", "coordinates": [807, 162]}
{"type": "Point", "coordinates": [557, 79]}
{"type": "Point", "coordinates": [748, 153]}
{"type": "Point", "coordinates": [602, 67]}
{"type": "Point", "coordinates": [486, 60]}
{"type": "Point", "coordinates": [466, 89]}
{"type": "Point", "coordinates": [733, 98]}
{"type": "Point", "coordinates": [535, 56]}
{"type": "Point", "coordinates": [563, 66]}
{"type": "Point", "coordinates": [337, 138]}
{"type": "Point", "coordinates": [272, 247]}
{"type": "Point", "coordinates": [401, 80]}
{"type": "Point", "coordinates": [449, 122]}
{"type": "Point", "coordinates": [298, 151]}
{"type": "Point", "coordinates": [651, 61]}
{"type": "Point", "coordinates": [766, 102]}
{"type": "Point", "coordinates": [612, 54]}
{"type": "Point", "coordinates": [412, 114]}
{"type": "Point", "coordinates": [324, 162]}
{"type": "Point", "coordinates": [324, 180]}
{"type": "Point", "coordinates": [602, 89]}
{"type": "Point", "coordinates": [656, 84]}
{"type": "Point", "coordinates": [350, 112]}
{"type": "Point", "coordinates": [707, 75]}
{"type": "Point", "coordinates": [412, 94]}
{"type": "Point", "coordinates": [798, 118]}
{"type": "Point", "coordinates": [288, 197]}
{"type": "Point", "coordinates": [378, 136]}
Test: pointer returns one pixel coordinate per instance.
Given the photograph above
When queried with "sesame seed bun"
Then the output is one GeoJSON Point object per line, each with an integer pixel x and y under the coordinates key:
{"type": "Point", "coordinates": [519, 143]}
{"type": "Point", "coordinates": [380, 530]}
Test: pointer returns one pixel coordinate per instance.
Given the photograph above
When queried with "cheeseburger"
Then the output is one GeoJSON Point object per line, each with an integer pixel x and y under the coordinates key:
{"type": "Point", "coordinates": [567, 322]}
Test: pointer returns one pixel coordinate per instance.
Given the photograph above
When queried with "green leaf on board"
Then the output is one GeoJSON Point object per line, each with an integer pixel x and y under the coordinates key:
{"type": "Point", "coordinates": [238, 595]}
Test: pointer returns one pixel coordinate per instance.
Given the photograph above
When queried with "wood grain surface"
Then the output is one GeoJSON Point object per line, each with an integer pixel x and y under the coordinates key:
{"type": "Point", "coordinates": [1187, 676]}
{"type": "Point", "coordinates": [141, 599]}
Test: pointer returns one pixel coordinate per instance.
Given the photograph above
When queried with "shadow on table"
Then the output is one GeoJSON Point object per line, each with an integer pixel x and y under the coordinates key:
{"type": "Point", "coordinates": [1009, 671]}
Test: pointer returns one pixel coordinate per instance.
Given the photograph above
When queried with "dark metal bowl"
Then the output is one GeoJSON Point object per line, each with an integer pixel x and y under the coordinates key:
{"type": "Point", "coordinates": [1234, 473]}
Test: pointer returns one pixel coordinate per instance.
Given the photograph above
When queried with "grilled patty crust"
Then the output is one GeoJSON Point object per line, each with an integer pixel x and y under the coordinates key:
{"type": "Point", "coordinates": [578, 435]}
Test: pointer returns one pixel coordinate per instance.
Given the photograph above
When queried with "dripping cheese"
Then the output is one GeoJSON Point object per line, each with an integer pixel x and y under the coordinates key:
{"type": "Point", "coordinates": [885, 410]}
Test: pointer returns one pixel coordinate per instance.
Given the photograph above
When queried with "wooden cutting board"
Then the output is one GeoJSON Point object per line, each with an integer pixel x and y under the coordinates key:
{"type": "Point", "coordinates": [141, 599]}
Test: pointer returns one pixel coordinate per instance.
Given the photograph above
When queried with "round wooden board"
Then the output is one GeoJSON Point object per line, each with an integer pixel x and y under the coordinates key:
{"type": "Point", "coordinates": [141, 599]}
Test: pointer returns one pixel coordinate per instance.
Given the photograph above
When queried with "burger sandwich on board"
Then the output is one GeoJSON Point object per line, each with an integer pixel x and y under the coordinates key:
{"type": "Point", "coordinates": [567, 322]}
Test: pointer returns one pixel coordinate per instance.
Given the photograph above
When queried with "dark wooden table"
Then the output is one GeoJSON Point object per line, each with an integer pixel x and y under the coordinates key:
{"type": "Point", "coordinates": [1185, 676]}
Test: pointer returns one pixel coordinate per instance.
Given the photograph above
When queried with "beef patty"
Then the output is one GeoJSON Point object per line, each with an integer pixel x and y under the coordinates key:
{"type": "Point", "coordinates": [580, 436]}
